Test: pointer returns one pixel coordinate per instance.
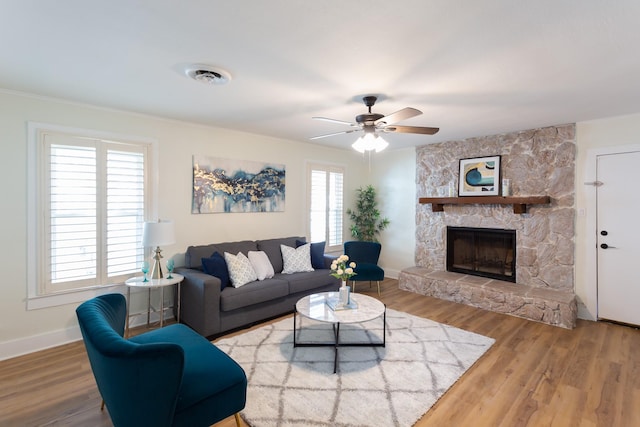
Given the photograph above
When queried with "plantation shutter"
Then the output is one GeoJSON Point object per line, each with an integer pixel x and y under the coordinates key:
{"type": "Point", "coordinates": [92, 212]}
{"type": "Point", "coordinates": [334, 231]}
{"type": "Point", "coordinates": [326, 205]}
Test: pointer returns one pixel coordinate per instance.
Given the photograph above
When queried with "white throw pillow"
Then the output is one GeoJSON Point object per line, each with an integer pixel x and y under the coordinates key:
{"type": "Point", "coordinates": [261, 264]}
{"type": "Point", "coordinates": [297, 259]}
{"type": "Point", "coordinates": [240, 269]}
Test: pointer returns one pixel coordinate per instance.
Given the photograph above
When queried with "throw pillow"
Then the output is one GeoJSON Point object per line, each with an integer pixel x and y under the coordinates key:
{"type": "Point", "coordinates": [240, 270]}
{"type": "Point", "coordinates": [317, 253]}
{"type": "Point", "coordinates": [261, 264]}
{"type": "Point", "coordinates": [216, 266]}
{"type": "Point", "coordinates": [296, 260]}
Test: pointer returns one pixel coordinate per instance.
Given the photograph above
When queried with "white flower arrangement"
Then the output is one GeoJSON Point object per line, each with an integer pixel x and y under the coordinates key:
{"type": "Point", "coordinates": [342, 269]}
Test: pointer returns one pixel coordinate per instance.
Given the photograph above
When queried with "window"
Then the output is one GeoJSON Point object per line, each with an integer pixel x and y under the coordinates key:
{"type": "Point", "coordinates": [92, 198]}
{"type": "Point", "coordinates": [326, 205]}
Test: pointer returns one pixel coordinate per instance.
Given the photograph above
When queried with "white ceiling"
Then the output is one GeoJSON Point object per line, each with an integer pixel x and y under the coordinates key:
{"type": "Point", "coordinates": [474, 67]}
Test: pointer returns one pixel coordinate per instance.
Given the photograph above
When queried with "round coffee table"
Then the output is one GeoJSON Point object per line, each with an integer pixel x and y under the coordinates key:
{"type": "Point", "coordinates": [318, 307]}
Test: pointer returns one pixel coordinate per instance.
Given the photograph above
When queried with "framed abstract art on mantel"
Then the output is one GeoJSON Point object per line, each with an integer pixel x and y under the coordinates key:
{"type": "Point", "coordinates": [227, 185]}
{"type": "Point", "coordinates": [479, 176]}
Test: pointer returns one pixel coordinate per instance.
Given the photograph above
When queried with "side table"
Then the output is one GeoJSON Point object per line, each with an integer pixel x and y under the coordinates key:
{"type": "Point", "coordinates": [138, 283]}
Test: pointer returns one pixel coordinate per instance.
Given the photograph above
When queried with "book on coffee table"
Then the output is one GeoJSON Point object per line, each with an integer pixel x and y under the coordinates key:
{"type": "Point", "coordinates": [334, 304]}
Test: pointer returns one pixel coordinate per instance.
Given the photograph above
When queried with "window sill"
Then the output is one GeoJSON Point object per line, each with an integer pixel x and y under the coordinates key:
{"type": "Point", "coordinates": [70, 297]}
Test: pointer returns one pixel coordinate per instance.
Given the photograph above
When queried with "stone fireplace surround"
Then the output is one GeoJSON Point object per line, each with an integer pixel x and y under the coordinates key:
{"type": "Point", "coordinates": [539, 162]}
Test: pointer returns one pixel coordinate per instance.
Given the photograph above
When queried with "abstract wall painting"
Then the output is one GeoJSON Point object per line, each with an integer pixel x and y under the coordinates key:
{"type": "Point", "coordinates": [479, 176]}
{"type": "Point", "coordinates": [226, 185]}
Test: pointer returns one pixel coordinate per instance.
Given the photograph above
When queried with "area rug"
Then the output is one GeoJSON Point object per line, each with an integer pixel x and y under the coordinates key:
{"type": "Point", "coordinates": [374, 386]}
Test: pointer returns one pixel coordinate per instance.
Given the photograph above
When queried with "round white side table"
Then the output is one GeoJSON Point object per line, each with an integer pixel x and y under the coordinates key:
{"type": "Point", "coordinates": [139, 283]}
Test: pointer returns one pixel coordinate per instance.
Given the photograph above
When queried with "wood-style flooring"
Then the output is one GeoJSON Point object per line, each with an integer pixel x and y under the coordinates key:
{"type": "Point", "coordinates": [534, 375]}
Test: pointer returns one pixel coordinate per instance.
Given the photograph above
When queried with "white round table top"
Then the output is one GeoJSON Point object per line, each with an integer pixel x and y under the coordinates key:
{"type": "Point", "coordinates": [137, 282]}
{"type": "Point", "coordinates": [315, 307]}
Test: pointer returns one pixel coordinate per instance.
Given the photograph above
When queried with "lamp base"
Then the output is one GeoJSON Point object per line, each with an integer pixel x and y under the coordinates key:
{"type": "Point", "coordinates": [156, 272]}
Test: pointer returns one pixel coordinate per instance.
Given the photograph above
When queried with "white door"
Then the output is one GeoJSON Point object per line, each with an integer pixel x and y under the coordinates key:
{"type": "Point", "coordinates": [618, 228]}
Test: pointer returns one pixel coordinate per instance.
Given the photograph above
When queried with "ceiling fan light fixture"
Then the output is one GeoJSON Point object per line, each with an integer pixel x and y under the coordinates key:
{"type": "Point", "coordinates": [208, 75]}
{"type": "Point", "coordinates": [369, 142]}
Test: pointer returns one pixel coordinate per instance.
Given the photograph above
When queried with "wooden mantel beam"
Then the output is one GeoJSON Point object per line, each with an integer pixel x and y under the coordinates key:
{"type": "Point", "coordinates": [519, 203]}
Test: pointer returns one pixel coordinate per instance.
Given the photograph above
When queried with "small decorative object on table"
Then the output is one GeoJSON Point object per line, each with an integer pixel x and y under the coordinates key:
{"type": "Point", "coordinates": [170, 266]}
{"type": "Point", "coordinates": [145, 270]}
{"type": "Point", "coordinates": [342, 269]}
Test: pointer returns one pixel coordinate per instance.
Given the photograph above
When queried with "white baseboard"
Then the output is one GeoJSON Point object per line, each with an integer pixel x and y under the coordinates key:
{"type": "Point", "coordinates": [19, 347]}
{"type": "Point", "coordinates": [394, 274]}
{"type": "Point", "coordinates": [22, 346]}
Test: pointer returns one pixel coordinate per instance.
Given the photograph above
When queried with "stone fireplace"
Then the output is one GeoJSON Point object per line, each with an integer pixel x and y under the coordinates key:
{"type": "Point", "coordinates": [483, 252]}
{"type": "Point", "coordinates": [539, 162]}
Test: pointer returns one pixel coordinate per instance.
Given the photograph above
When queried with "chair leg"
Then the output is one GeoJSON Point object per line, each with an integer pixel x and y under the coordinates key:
{"type": "Point", "coordinates": [353, 286]}
{"type": "Point", "coordinates": [102, 405]}
{"type": "Point", "coordinates": [237, 416]}
{"type": "Point", "coordinates": [378, 287]}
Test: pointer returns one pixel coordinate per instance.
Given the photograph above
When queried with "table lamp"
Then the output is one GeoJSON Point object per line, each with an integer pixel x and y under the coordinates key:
{"type": "Point", "coordinates": [156, 234]}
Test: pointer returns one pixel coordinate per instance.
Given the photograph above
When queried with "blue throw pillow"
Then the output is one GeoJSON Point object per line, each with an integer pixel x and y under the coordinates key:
{"type": "Point", "coordinates": [317, 253]}
{"type": "Point", "coordinates": [217, 266]}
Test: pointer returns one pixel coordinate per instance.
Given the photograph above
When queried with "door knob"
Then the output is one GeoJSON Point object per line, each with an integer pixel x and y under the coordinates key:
{"type": "Point", "coordinates": [605, 246]}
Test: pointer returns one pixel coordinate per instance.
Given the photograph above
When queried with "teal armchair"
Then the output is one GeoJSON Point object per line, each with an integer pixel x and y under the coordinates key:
{"type": "Point", "coordinates": [365, 255]}
{"type": "Point", "coordinates": [166, 377]}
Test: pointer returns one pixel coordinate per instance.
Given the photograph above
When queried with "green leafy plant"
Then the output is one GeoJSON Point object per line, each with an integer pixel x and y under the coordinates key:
{"type": "Point", "coordinates": [366, 216]}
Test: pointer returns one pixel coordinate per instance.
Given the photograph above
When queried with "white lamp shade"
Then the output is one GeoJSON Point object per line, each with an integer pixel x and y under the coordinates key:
{"type": "Point", "coordinates": [159, 233]}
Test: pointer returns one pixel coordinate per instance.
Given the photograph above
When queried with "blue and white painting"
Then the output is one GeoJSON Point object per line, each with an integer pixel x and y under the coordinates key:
{"type": "Point", "coordinates": [226, 185]}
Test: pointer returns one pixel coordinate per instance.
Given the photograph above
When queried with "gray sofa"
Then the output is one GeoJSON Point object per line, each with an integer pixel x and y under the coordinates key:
{"type": "Point", "coordinates": [210, 311]}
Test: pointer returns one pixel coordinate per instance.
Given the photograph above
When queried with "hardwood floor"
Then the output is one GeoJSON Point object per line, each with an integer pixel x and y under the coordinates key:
{"type": "Point", "coordinates": [534, 375]}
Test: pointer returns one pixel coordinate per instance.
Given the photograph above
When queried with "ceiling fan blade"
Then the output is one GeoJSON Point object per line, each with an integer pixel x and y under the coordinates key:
{"type": "Point", "coordinates": [334, 134]}
{"type": "Point", "coordinates": [341, 122]}
{"type": "Point", "coordinates": [411, 129]}
{"type": "Point", "coordinates": [405, 113]}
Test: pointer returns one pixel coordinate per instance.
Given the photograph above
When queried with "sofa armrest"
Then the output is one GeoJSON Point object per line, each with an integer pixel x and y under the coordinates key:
{"type": "Point", "coordinates": [200, 301]}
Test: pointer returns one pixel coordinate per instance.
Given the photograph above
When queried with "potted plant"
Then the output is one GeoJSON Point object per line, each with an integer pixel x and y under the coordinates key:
{"type": "Point", "coordinates": [366, 216]}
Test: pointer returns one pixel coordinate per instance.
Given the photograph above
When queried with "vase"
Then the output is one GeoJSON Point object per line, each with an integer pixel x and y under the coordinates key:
{"type": "Point", "coordinates": [344, 294]}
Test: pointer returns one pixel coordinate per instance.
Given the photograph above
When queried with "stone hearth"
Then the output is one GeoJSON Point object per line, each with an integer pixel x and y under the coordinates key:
{"type": "Point", "coordinates": [554, 307]}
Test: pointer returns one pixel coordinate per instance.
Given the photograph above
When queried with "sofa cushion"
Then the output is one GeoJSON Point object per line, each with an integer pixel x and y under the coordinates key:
{"type": "Point", "coordinates": [216, 266]}
{"type": "Point", "coordinates": [261, 264]}
{"type": "Point", "coordinates": [272, 248]}
{"type": "Point", "coordinates": [296, 259]}
{"type": "Point", "coordinates": [241, 271]}
{"type": "Point", "coordinates": [194, 254]}
{"type": "Point", "coordinates": [253, 293]}
{"type": "Point", "coordinates": [309, 280]}
{"type": "Point", "coordinates": [317, 253]}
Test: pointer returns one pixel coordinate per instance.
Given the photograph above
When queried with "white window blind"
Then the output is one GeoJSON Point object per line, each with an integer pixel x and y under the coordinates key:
{"type": "Point", "coordinates": [92, 208]}
{"type": "Point", "coordinates": [326, 204]}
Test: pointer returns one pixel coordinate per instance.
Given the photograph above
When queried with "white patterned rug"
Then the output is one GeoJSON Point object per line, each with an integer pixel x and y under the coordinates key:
{"type": "Point", "coordinates": [375, 386]}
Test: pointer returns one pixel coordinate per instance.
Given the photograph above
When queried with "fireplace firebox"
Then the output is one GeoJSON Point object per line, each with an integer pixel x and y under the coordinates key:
{"type": "Point", "coordinates": [485, 252]}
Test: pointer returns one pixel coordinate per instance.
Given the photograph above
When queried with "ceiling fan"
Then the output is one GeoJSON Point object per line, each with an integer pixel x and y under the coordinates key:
{"type": "Point", "coordinates": [372, 123]}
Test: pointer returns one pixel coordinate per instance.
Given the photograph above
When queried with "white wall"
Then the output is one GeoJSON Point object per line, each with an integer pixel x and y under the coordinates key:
{"type": "Point", "coordinates": [594, 136]}
{"type": "Point", "coordinates": [394, 177]}
{"type": "Point", "coordinates": [23, 330]}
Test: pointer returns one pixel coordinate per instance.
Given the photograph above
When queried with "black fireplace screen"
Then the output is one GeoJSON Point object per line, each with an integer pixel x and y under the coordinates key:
{"type": "Point", "coordinates": [486, 252]}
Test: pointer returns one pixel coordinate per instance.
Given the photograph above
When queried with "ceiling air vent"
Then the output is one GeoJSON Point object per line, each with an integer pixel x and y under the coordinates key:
{"type": "Point", "coordinates": [208, 75]}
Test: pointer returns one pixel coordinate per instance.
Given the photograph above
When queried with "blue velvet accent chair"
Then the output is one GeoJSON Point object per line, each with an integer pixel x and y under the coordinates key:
{"type": "Point", "coordinates": [170, 376]}
{"type": "Point", "coordinates": [365, 255]}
